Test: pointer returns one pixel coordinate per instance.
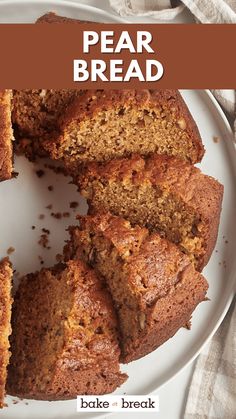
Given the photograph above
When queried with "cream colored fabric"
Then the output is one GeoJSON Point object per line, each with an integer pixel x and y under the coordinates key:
{"type": "Point", "coordinates": [159, 9]}
{"type": "Point", "coordinates": [206, 11]}
{"type": "Point", "coordinates": [212, 393]}
{"type": "Point", "coordinates": [213, 11]}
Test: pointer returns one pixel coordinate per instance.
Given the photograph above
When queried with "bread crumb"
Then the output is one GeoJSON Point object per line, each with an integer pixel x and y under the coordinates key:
{"type": "Point", "coordinates": [223, 264]}
{"type": "Point", "coordinates": [49, 206]}
{"type": "Point", "coordinates": [188, 325]}
{"type": "Point", "coordinates": [41, 216]}
{"type": "Point", "coordinates": [45, 230]}
{"type": "Point", "coordinates": [66, 214]}
{"type": "Point", "coordinates": [57, 215]}
{"type": "Point", "coordinates": [50, 188]}
{"type": "Point", "coordinates": [10, 250]}
{"type": "Point", "coordinates": [59, 257]}
{"type": "Point", "coordinates": [15, 174]}
{"type": "Point", "coordinates": [74, 204]}
{"type": "Point", "coordinates": [216, 139]}
{"type": "Point", "coordinates": [43, 241]}
{"type": "Point", "coordinates": [40, 173]}
{"type": "Point", "coordinates": [58, 170]}
{"type": "Point", "coordinates": [33, 227]}
{"type": "Point", "coordinates": [41, 260]}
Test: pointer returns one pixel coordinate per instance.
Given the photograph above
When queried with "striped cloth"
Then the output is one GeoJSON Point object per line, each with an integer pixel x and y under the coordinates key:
{"type": "Point", "coordinates": [213, 11]}
{"type": "Point", "coordinates": [212, 393]}
{"type": "Point", "coordinates": [160, 9]}
{"type": "Point", "coordinates": [206, 11]}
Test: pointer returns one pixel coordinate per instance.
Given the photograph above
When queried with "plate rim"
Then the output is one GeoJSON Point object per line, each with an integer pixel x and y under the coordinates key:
{"type": "Point", "coordinates": [69, 3]}
{"type": "Point", "coordinates": [231, 148]}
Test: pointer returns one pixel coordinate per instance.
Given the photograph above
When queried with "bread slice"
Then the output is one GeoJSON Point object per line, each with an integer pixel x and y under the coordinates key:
{"type": "Point", "coordinates": [64, 338]}
{"type": "Point", "coordinates": [35, 115]}
{"type": "Point", "coordinates": [6, 135]}
{"type": "Point", "coordinates": [102, 125]}
{"type": "Point", "coordinates": [153, 285]}
{"type": "Point", "coordinates": [36, 112]}
{"type": "Point", "coordinates": [5, 322]}
{"type": "Point", "coordinates": [162, 193]}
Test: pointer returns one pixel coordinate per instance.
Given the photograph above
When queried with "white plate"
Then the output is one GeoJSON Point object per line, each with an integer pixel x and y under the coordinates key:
{"type": "Point", "coordinates": [28, 11]}
{"type": "Point", "coordinates": [25, 198]}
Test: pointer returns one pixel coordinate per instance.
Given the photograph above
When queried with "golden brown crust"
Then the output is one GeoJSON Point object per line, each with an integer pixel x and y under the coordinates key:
{"type": "Point", "coordinates": [158, 280]}
{"type": "Point", "coordinates": [36, 111]}
{"type": "Point", "coordinates": [6, 135]}
{"type": "Point", "coordinates": [203, 194]}
{"type": "Point", "coordinates": [35, 114]}
{"type": "Point", "coordinates": [5, 325]}
{"type": "Point", "coordinates": [94, 102]}
{"type": "Point", "coordinates": [54, 18]}
{"type": "Point", "coordinates": [170, 313]}
{"type": "Point", "coordinates": [84, 349]}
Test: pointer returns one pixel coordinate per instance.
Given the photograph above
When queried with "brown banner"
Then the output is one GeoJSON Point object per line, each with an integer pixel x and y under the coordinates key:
{"type": "Point", "coordinates": [192, 56]}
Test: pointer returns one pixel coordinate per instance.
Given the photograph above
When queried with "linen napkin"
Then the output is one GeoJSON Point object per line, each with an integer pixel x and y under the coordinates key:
{"type": "Point", "coordinates": [206, 11]}
{"type": "Point", "coordinates": [213, 11]}
{"type": "Point", "coordinates": [159, 9]}
{"type": "Point", "coordinates": [212, 393]}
